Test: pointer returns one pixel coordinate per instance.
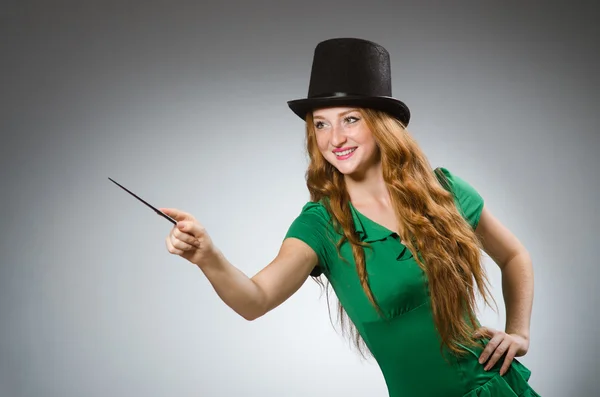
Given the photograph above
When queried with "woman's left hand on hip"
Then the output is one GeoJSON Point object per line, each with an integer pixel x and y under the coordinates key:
{"type": "Point", "coordinates": [501, 343]}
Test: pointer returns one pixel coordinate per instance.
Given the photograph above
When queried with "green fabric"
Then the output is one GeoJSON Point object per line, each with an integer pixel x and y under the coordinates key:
{"type": "Point", "coordinates": [405, 343]}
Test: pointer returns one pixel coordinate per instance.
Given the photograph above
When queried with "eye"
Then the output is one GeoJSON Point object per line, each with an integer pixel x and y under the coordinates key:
{"type": "Point", "coordinates": [319, 125]}
{"type": "Point", "coordinates": [351, 119]}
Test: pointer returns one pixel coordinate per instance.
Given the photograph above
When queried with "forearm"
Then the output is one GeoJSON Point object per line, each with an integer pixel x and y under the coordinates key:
{"type": "Point", "coordinates": [234, 287]}
{"type": "Point", "coordinates": [517, 288]}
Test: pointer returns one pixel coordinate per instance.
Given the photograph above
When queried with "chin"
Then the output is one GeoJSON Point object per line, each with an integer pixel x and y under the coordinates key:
{"type": "Point", "coordinates": [344, 167]}
{"type": "Point", "coordinates": [345, 170]}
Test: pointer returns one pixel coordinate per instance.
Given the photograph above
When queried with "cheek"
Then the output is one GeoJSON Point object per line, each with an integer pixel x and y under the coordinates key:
{"type": "Point", "coordinates": [365, 139]}
{"type": "Point", "coordinates": [322, 142]}
{"type": "Point", "coordinates": [370, 145]}
{"type": "Point", "coordinates": [372, 149]}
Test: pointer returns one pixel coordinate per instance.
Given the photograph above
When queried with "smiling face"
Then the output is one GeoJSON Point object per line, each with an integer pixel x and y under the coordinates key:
{"type": "Point", "coordinates": [345, 140]}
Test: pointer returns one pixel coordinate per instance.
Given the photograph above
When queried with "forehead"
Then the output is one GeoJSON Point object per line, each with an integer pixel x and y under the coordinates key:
{"type": "Point", "coordinates": [332, 112]}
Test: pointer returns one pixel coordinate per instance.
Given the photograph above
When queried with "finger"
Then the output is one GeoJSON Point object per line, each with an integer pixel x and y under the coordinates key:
{"type": "Point", "coordinates": [510, 355]}
{"type": "Point", "coordinates": [491, 347]}
{"type": "Point", "coordinates": [499, 352]}
{"type": "Point", "coordinates": [482, 332]}
{"type": "Point", "coordinates": [176, 214]}
{"type": "Point", "coordinates": [194, 228]}
{"type": "Point", "coordinates": [186, 237]}
{"type": "Point", "coordinates": [181, 245]}
{"type": "Point", "coordinates": [170, 247]}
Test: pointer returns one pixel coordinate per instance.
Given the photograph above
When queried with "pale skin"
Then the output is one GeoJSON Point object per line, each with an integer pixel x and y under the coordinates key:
{"type": "Point", "coordinates": [342, 129]}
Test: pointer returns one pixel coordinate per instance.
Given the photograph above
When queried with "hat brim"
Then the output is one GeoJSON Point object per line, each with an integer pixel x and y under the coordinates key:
{"type": "Point", "coordinates": [390, 105]}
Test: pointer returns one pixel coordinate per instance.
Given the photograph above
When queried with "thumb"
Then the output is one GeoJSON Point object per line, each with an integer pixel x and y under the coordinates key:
{"type": "Point", "coordinates": [177, 214]}
{"type": "Point", "coordinates": [194, 228]}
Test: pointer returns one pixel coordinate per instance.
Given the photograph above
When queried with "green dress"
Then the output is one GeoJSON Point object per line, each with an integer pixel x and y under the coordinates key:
{"type": "Point", "coordinates": [406, 345]}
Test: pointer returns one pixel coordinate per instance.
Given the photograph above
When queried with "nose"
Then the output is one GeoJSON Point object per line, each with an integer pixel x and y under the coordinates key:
{"type": "Point", "coordinates": [338, 136]}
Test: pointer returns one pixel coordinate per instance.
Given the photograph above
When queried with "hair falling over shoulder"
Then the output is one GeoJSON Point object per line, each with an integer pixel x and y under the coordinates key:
{"type": "Point", "coordinates": [442, 242]}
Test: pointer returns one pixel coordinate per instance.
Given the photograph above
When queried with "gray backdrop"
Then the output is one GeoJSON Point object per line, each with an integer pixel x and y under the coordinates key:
{"type": "Point", "coordinates": [185, 103]}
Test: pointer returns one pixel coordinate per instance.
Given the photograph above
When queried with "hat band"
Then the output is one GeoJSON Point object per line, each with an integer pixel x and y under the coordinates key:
{"type": "Point", "coordinates": [334, 94]}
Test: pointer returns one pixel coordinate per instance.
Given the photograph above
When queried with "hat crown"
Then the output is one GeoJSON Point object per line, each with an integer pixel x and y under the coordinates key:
{"type": "Point", "coordinates": [350, 66]}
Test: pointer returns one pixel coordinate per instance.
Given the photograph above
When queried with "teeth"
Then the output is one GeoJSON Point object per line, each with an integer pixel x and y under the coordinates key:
{"type": "Point", "coordinates": [345, 152]}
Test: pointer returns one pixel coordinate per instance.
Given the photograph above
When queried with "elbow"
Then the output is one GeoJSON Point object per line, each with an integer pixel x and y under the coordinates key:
{"type": "Point", "coordinates": [251, 316]}
{"type": "Point", "coordinates": [248, 315]}
{"type": "Point", "coordinates": [520, 258]}
{"type": "Point", "coordinates": [253, 311]}
{"type": "Point", "coordinates": [256, 306]}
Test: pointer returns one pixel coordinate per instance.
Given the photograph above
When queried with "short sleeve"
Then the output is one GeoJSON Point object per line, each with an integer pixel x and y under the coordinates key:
{"type": "Point", "coordinates": [468, 200]}
{"type": "Point", "coordinates": [312, 227]}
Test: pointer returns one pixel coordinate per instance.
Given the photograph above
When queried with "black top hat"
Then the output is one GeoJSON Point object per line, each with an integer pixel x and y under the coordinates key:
{"type": "Point", "coordinates": [351, 72]}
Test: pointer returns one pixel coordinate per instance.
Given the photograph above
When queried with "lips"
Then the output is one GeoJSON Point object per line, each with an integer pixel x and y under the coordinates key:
{"type": "Point", "coordinates": [344, 153]}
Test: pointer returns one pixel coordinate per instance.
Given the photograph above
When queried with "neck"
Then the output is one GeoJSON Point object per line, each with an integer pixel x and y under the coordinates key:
{"type": "Point", "coordinates": [367, 187]}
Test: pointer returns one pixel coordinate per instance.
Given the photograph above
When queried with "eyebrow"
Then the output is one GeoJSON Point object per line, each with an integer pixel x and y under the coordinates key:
{"type": "Point", "coordinates": [339, 114]}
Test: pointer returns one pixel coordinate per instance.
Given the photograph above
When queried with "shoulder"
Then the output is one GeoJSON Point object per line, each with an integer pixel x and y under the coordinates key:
{"type": "Point", "coordinates": [466, 196]}
{"type": "Point", "coordinates": [315, 208]}
{"type": "Point", "coordinates": [314, 215]}
{"type": "Point", "coordinates": [313, 226]}
{"type": "Point", "coordinates": [458, 186]}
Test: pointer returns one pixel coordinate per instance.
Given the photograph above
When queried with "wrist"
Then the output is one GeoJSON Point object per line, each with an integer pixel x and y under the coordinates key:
{"type": "Point", "coordinates": [522, 333]}
{"type": "Point", "coordinates": [211, 258]}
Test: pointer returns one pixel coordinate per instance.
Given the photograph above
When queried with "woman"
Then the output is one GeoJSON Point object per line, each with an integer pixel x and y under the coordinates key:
{"type": "Point", "coordinates": [398, 242]}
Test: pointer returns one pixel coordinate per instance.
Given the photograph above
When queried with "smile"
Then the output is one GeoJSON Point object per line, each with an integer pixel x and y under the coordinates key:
{"type": "Point", "coordinates": [345, 152]}
{"type": "Point", "coordinates": [342, 155]}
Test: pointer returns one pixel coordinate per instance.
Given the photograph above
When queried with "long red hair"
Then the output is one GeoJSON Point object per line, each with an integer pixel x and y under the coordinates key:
{"type": "Point", "coordinates": [442, 242]}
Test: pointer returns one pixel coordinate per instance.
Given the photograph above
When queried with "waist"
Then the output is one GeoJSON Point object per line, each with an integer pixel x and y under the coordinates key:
{"type": "Point", "coordinates": [408, 350]}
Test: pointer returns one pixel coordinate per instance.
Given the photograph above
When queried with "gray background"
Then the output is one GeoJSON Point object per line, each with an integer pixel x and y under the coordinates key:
{"type": "Point", "coordinates": [185, 103]}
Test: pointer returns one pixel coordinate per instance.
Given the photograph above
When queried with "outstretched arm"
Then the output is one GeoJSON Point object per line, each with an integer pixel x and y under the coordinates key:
{"type": "Point", "coordinates": [254, 297]}
{"type": "Point", "coordinates": [249, 297]}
